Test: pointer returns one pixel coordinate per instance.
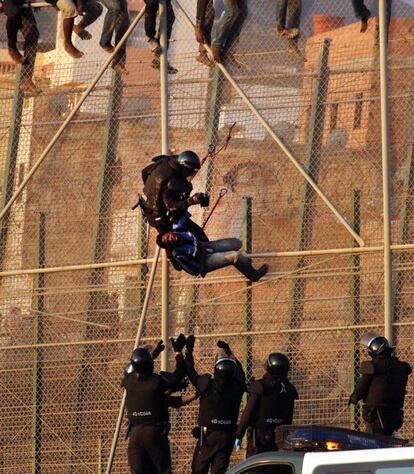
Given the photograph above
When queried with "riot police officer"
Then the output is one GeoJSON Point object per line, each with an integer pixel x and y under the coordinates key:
{"type": "Point", "coordinates": [167, 189]}
{"type": "Point", "coordinates": [220, 398]}
{"type": "Point", "coordinates": [381, 386]}
{"type": "Point", "coordinates": [270, 404]}
{"type": "Point", "coordinates": [147, 405]}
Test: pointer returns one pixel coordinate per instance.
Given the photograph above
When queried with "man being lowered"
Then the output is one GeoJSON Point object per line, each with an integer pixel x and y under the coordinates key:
{"type": "Point", "coordinates": [167, 192]}
{"type": "Point", "coordinates": [196, 257]}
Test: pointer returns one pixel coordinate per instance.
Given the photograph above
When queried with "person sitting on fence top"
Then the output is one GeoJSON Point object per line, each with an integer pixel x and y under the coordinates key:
{"type": "Point", "coordinates": [116, 24]}
{"type": "Point", "coordinates": [219, 27]}
{"type": "Point", "coordinates": [89, 10]}
{"type": "Point", "coordinates": [381, 386]}
{"type": "Point", "coordinates": [153, 37]}
{"type": "Point", "coordinates": [204, 25]}
{"type": "Point", "coordinates": [271, 401]}
{"type": "Point", "coordinates": [187, 253]}
{"type": "Point", "coordinates": [20, 17]}
{"type": "Point", "coordinates": [167, 188]}
{"type": "Point", "coordinates": [288, 17]}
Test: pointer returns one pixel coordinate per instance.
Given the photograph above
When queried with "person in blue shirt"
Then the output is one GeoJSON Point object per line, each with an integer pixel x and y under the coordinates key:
{"type": "Point", "coordinates": [187, 253]}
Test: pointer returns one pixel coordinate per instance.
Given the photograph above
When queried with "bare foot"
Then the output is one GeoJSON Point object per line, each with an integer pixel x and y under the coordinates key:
{"type": "Point", "coordinates": [16, 56]}
{"type": "Point", "coordinates": [292, 33]}
{"type": "Point", "coordinates": [364, 25]}
{"type": "Point", "coordinates": [216, 55]}
{"type": "Point", "coordinates": [83, 34]}
{"type": "Point", "coordinates": [364, 22]}
{"type": "Point", "coordinates": [204, 59]}
{"type": "Point", "coordinates": [72, 51]}
{"type": "Point", "coordinates": [108, 48]}
{"type": "Point", "coordinates": [281, 30]}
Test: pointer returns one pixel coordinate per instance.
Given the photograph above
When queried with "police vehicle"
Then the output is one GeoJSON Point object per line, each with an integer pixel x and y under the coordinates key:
{"type": "Point", "coordinates": [327, 450]}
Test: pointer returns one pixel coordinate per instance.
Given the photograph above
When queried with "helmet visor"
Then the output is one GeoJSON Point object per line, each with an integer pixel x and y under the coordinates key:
{"type": "Point", "coordinates": [368, 337]}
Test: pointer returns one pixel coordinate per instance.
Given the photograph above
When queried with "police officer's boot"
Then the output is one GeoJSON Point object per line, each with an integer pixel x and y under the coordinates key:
{"type": "Point", "coordinates": [244, 265]}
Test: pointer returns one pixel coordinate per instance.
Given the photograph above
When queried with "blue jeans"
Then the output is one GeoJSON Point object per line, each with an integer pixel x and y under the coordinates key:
{"type": "Point", "coordinates": [116, 21]}
{"type": "Point", "coordinates": [288, 13]}
{"type": "Point", "coordinates": [226, 12]}
{"type": "Point", "coordinates": [221, 253]}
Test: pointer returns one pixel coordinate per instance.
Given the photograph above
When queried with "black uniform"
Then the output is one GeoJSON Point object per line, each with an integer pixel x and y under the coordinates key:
{"type": "Point", "coordinates": [218, 414]}
{"type": "Point", "coordinates": [271, 403]}
{"type": "Point", "coordinates": [382, 388]}
{"type": "Point", "coordinates": [147, 405]}
{"type": "Point", "coordinates": [165, 196]}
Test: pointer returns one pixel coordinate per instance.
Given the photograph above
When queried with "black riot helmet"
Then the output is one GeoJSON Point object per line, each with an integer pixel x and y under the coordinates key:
{"type": "Point", "coordinates": [142, 361]}
{"type": "Point", "coordinates": [277, 364]}
{"type": "Point", "coordinates": [188, 162]}
{"type": "Point", "coordinates": [224, 370]}
{"type": "Point", "coordinates": [376, 344]}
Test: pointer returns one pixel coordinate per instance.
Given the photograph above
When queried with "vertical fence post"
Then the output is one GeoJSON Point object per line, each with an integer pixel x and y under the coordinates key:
{"type": "Point", "coordinates": [165, 151]}
{"type": "Point", "coordinates": [356, 307]}
{"type": "Point", "coordinates": [248, 309]}
{"type": "Point", "coordinates": [386, 184]}
{"type": "Point", "coordinates": [99, 241]}
{"type": "Point", "coordinates": [38, 333]}
{"type": "Point", "coordinates": [313, 153]}
{"type": "Point", "coordinates": [11, 160]}
{"type": "Point", "coordinates": [406, 213]}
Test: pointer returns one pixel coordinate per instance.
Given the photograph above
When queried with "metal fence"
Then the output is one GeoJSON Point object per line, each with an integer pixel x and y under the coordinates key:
{"type": "Point", "coordinates": [319, 175]}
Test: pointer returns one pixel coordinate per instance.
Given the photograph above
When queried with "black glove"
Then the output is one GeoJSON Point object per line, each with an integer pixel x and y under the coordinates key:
{"type": "Point", "coordinates": [178, 343]}
{"type": "Point", "coordinates": [226, 348]}
{"type": "Point", "coordinates": [190, 343]}
{"type": "Point", "coordinates": [181, 385]}
{"type": "Point", "coordinates": [199, 198]}
{"type": "Point", "coordinates": [158, 349]}
{"type": "Point", "coordinates": [349, 401]}
{"type": "Point", "coordinates": [196, 432]}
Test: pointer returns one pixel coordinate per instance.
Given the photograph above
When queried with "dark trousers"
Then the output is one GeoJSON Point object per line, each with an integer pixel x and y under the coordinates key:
{"type": "Point", "coordinates": [382, 420]}
{"type": "Point", "coordinates": [213, 453]}
{"type": "Point", "coordinates": [260, 441]}
{"type": "Point", "coordinates": [116, 21]}
{"type": "Point", "coordinates": [360, 10]}
{"type": "Point", "coordinates": [237, 26]}
{"type": "Point", "coordinates": [151, 10]}
{"type": "Point", "coordinates": [207, 23]}
{"type": "Point", "coordinates": [235, 29]}
{"type": "Point", "coordinates": [149, 450]}
{"type": "Point", "coordinates": [19, 18]}
{"type": "Point", "coordinates": [92, 12]}
{"type": "Point", "coordinates": [288, 13]}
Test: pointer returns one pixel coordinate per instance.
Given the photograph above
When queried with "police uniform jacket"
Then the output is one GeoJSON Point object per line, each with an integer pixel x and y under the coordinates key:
{"type": "Point", "coordinates": [219, 405]}
{"type": "Point", "coordinates": [271, 403]}
{"type": "Point", "coordinates": [382, 383]}
{"type": "Point", "coordinates": [146, 400]}
{"type": "Point", "coordinates": [166, 190]}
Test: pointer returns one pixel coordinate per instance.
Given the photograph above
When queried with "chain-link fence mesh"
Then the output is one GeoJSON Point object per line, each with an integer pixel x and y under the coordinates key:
{"type": "Point", "coordinates": [67, 331]}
